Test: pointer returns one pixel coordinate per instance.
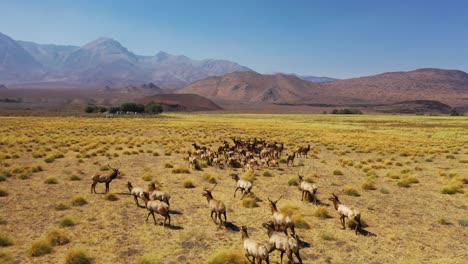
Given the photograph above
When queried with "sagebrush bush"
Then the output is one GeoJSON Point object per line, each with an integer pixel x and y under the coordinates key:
{"type": "Point", "coordinates": [293, 181]}
{"type": "Point", "coordinates": [248, 176]}
{"type": "Point", "coordinates": [327, 236]}
{"type": "Point", "coordinates": [227, 256]}
{"type": "Point", "coordinates": [267, 173]}
{"type": "Point", "coordinates": [78, 256]}
{"type": "Point", "coordinates": [188, 183]}
{"type": "Point", "coordinates": [61, 207]}
{"type": "Point", "coordinates": [51, 180]}
{"type": "Point", "coordinates": [407, 181]}
{"type": "Point", "coordinates": [5, 240]}
{"type": "Point", "coordinates": [300, 222]}
{"type": "Point", "coordinates": [3, 192]}
{"type": "Point", "coordinates": [111, 196]}
{"type": "Point", "coordinates": [168, 166]}
{"type": "Point", "coordinates": [368, 185]}
{"type": "Point", "coordinates": [351, 191]}
{"type": "Point", "coordinates": [337, 172]}
{"type": "Point", "coordinates": [67, 221]}
{"type": "Point", "coordinates": [321, 212]}
{"type": "Point", "coordinates": [149, 258]}
{"type": "Point", "coordinates": [40, 247]}
{"type": "Point", "coordinates": [75, 177]}
{"type": "Point", "coordinates": [180, 169]}
{"type": "Point", "coordinates": [452, 187]}
{"type": "Point", "coordinates": [79, 200]}
{"type": "Point", "coordinates": [209, 178]}
{"type": "Point", "coordinates": [57, 237]}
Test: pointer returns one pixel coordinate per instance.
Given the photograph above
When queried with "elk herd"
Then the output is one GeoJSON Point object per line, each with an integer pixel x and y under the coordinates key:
{"type": "Point", "coordinates": [247, 154]}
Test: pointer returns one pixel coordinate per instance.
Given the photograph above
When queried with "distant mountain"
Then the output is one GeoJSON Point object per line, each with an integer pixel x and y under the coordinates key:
{"type": "Point", "coordinates": [447, 86]}
{"type": "Point", "coordinates": [316, 79]}
{"type": "Point", "coordinates": [252, 87]}
{"type": "Point", "coordinates": [50, 56]}
{"type": "Point", "coordinates": [181, 102]}
{"type": "Point", "coordinates": [99, 63]}
{"type": "Point", "coordinates": [3, 87]}
{"type": "Point", "coordinates": [16, 63]}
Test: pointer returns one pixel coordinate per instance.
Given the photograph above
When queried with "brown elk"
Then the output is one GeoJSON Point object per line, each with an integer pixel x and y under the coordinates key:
{"type": "Point", "coordinates": [280, 220]}
{"type": "Point", "coordinates": [345, 211]}
{"type": "Point", "coordinates": [107, 179]}
{"type": "Point", "coordinates": [302, 151]}
{"type": "Point", "coordinates": [158, 207]}
{"type": "Point", "coordinates": [216, 207]}
{"type": "Point", "coordinates": [291, 159]}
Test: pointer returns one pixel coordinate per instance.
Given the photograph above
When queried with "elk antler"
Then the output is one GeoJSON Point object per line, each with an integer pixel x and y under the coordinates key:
{"type": "Point", "coordinates": [279, 198]}
{"type": "Point", "coordinates": [214, 187]}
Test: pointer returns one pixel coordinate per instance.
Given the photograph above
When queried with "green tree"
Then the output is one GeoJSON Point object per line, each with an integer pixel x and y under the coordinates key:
{"type": "Point", "coordinates": [153, 108]}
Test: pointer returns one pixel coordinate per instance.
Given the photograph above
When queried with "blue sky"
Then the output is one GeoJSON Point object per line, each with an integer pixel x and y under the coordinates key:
{"type": "Point", "coordinates": [323, 38]}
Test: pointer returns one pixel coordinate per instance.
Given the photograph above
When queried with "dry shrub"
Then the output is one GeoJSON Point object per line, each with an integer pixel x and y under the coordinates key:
{"type": "Point", "coordinates": [180, 169]}
{"type": "Point", "coordinates": [79, 200]}
{"type": "Point", "coordinates": [227, 256]}
{"type": "Point", "coordinates": [5, 257]}
{"type": "Point", "coordinates": [51, 180]}
{"type": "Point", "coordinates": [40, 247]}
{"type": "Point", "coordinates": [5, 240]}
{"type": "Point", "coordinates": [209, 178]}
{"type": "Point", "coordinates": [248, 176]}
{"type": "Point", "coordinates": [3, 192]}
{"type": "Point", "coordinates": [78, 256]}
{"type": "Point", "coordinates": [149, 258]}
{"type": "Point", "coordinates": [407, 181]}
{"type": "Point", "coordinates": [351, 191]}
{"type": "Point", "coordinates": [452, 187]}
{"type": "Point", "coordinates": [321, 212]}
{"type": "Point", "coordinates": [111, 196]}
{"type": "Point", "coordinates": [337, 172]}
{"type": "Point", "coordinates": [327, 236]}
{"type": "Point", "coordinates": [293, 181]}
{"type": "Point", "coordinates": [267, 173]}
{"type": "Point", "coordinates": [57, 237]}
{"type": "Point", "coordinates": [250, 201]}
{"type": "Point", "coordinates": [300, 222]}
{"type": "Point", "coordinates": [188, 183]}
{"type": "Point", "coordinates": [61, 207]}
{"type": "Point", "coordinates": [67, 221]}
{"type": "Point", "coordinates": [168, 166]}
{"type": "Point", "coordinates": [368, 184]}
{"type": "Point", "coordinates": [75, 177]}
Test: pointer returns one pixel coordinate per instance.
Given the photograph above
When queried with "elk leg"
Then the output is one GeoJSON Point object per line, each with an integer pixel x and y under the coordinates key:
{"type": "Point", "coordinates": [298, 256]}
{"type": "Point", "coordinates": [342, 219]}
{"type": "Point", "coordinates": [154, 218]}
{"type": "Point", "coordinates": [136, 201]}
{"type": "Point", "coordinates": [235, 191]}
{"type": "Point", "coordinates": [92, 186]}
{"type": "Point", "coordinates": [247, 257]}
{"type": "Point", "coordinates": [220, 220]}
{"type": "Point", "coordinates": [281, 257]}
{"type": "Point", "coordinates": [107, 187]}
{"type": "Point", "coordinates": [148, 216]}
{"type": "Point", "coordinates": [169, 217]}
{"type": "Point", "coordinates": [302, 196]}
{"type": "Point", "coordinates": [225, 218]}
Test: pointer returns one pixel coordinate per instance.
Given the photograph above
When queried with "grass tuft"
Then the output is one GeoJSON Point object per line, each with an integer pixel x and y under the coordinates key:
{"type": "Point", "coordinates": [51, 180]}
{"type": "Point", "coordinates": [3, 192]}
{"type": "Point", "coordinates": [57, 237]}
{"type": "Point", "coordinates": [110, 196]}
{"type": "Point", "coordinates": [463, 222]}
{"type": "Point", "coordinates": [248, 176]}
{"type": "Point", "coordinates": [5, 240]}
{"type": "Point", "coordinates": [267, 173]}
{"type": "Point", "coordinates": [321, 212]}
{"type": "Point", "coordinates": [180, 169]}
{"type": "Point", "coordinates": [188, 183]}
{"type": "Point", "coordinates": [78, 256]}
{"type": "Point", "coordinates": [368, 184]}
{"type": "Point", "coordinates": [327, 236]}
{"type": "Point", "coordinates": [79, 200]}
{"type": "Point", "coordinates": [209, 178]}
{"type": "Point", "coordinates": [227, 255]}
{"type": "Point", "coordinates": [67, 221]}
{"type": "Point", "coordinates": [293, 181]}
{"type": "Point", "coordinates": [40, 247]}
{"type": "Point", "coordinates": [75, 177]}
{"type": "Point", "coordinates": [351, 191]}
{"type": "Point", "coordinates": [452, 187]}
{"type": "Point", "coordinates": [337, 172]}
{"type": "Point", "coordinates": [61, 207]}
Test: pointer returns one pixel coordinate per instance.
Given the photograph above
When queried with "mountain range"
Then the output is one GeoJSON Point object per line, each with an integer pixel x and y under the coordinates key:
{"type": "Point", "coordinates": [99, 63]}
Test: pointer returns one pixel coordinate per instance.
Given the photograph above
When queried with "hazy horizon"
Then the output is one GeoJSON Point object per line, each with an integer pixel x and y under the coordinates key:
{"type": "Point", "coordinates": [321, 38]}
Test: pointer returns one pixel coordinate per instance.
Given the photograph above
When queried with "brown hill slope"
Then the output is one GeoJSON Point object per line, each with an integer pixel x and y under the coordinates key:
{"type": "Point", "coordinates": [181, 102]}
{"type": "Point", "coordinates": [447, 86]}
{"type": "Point", "coordinates": [252, 87]}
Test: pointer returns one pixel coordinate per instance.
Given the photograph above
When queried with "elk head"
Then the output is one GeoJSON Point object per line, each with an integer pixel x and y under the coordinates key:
{"type": "Point", "coordinates": [273, 203]}
{"type": "Point", "coordinates": [207, 192]}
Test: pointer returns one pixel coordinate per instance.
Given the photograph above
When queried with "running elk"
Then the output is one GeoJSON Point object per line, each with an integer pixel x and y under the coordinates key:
{"type": "Point", "coordinates": [291, 159]}
{"type": "Point", "coordinates": [158, 207]}
{"type": "Point", "coordinates": [216, 207]}
{"type": "Point", "coordinates": [104, 178]}
{"type": "Point", "coordinates": [254, 249]}
{"type": "Point", "coordinates": [280, 220]}
{"type": "Point", "coordinates": [283, 243]}
{"type": "Point", "coordinates": [345, 211]}
{"type": "Point", "coordinates": [136, 192]}
{"type": "Point", "coordinates": [307, 189]}
{"type": "Point", "coordinates": [158, 195]}
{"type": "Point", "coordinates": [244, 185]}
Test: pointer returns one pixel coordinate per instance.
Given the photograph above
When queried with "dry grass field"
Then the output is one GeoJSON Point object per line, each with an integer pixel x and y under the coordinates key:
{"type": "Point", "coordinates": [406, 174]}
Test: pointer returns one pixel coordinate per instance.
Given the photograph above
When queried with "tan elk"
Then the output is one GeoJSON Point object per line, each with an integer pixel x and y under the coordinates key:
{"type": "Point", "coordinates": [346, 212]}
{"type": "Point", "coordinates": [291, 159]}
{"type": "Point", "coordinates": [216, 207]}
{"type": "Point", "coordinates": [243, 185]}
{"type": "Point", "coordinates": [307, 189]}
{"type": "Point", "coordinates": [283, 243]}
{"type": "Point", "coordinates": [136, 192]}
{"type": "Point", "coordinates": [158, 207]}
{"type": "Point", "coordinates": [254, 249]}
{"type": "Point", "coordinates": [158, 195]}
{"type": "Point", "coordinates": [302, 151]}
{"type": "Point", "coordinates": [107, 179]}
{"type": "Point", "coordinates": [280, 220]}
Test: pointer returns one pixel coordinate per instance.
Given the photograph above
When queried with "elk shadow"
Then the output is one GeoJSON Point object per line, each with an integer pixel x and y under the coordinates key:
{"type": "Point", "coordinates": [302, 243]}
{"type": "Point", "coordinates": [174, 227]}
{"type": "Point", "coordinates": [366, 233]}
{"type": "Point", "coordinates": [175, 212]}
{"type": "Point", "coordinates": [231, 227]}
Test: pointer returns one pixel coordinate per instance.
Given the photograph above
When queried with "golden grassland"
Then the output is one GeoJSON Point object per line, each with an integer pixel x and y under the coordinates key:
{"type": "Point", "coordinates": [406, 174]}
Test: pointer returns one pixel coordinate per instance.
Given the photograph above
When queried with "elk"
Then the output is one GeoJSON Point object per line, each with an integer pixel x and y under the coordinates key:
{"type": "Point", "coordinates": [136, 192]}
{"type": "Point", "coordinates": [216, 207]}
{"type": "Point", "coordinates": [199, 147]}
{"type": "Point", "coordinates": [158, 207]}
{"type": "Point", "coordinates": [192, 160]}
{"type": "Point", "coordinates": [307, 189]}
{"type": "Point", "coordinates": [291, 159]}
{"type": "Point", "coordinates": [253, 248]}
{"type": "Point", "coordinates": [302, 151]}
{"type": "Point", "coordinates": [280, 220]}
{"type": "Point", "coordinates": [158, 195]}
{"type": "Point", "coordinates": [274, 163]}
{"type": "Point", "coordinates": [283, 243]}
{"type": "Point", "coordinates": [244, 185]}
{"type": "Point", "coordinates": [104, 178]}
{"type": "Point", "coordinates": [345, 211]}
